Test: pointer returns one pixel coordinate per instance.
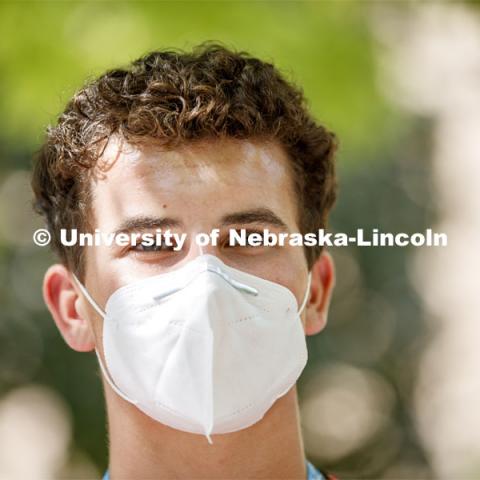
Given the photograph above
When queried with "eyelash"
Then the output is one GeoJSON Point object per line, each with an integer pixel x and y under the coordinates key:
{"type": "Point", "coordinates": [155, 248]}
{"type": "Point", "coordinates": [151, 248]}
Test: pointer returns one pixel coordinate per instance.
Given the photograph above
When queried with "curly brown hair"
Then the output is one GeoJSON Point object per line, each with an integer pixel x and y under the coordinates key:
{"type": "Point", "coordinates": [172, 97]}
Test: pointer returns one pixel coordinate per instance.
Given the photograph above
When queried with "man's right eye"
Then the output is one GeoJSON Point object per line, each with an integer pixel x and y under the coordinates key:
{"type": "Point", "coordinates": [146, 247]}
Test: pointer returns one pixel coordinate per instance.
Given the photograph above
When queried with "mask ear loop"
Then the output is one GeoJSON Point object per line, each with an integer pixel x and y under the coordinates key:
{"type": "Point", "coordinates": [305, 298]}
{"type": "Point", "coordinates": [103, 368]}
{"type": "Point", "coordinates": [90, 299]}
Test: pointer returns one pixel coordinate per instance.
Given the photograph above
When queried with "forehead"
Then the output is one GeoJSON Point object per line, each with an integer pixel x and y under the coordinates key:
{"type": "Point", "coordinates": [200, 180]}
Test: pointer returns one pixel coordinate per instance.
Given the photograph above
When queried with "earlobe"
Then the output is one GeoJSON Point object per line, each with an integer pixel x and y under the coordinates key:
{"type": "Point", "coordinates": [323, 281]}
{"type": "Point", "coordinates": [65, 307]}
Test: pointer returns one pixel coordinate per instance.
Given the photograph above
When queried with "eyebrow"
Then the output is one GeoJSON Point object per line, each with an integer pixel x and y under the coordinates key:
{"type": "Point", "coordinates": [146, 222]}
{"type": "Point", "coordinates": [255, 215]}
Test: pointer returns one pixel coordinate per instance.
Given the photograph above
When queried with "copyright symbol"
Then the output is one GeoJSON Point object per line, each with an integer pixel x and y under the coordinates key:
{"type": "Point", "coordinates": [41, 237]}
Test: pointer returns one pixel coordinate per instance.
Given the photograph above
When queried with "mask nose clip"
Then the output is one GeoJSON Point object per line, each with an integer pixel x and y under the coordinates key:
{"type": "Point", "coordinates": [234, 283]}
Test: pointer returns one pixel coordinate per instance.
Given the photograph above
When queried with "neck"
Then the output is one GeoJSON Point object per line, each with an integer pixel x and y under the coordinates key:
{"type": "Point", "coordinates": [141, 448]}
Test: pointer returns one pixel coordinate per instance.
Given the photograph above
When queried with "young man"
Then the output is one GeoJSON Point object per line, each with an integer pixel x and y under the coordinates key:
{"type": "Point", "coordinates": [200, 346]}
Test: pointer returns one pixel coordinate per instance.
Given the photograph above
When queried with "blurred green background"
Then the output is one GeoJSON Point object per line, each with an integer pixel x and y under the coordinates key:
{"type": "Point", "coordinates": [361, 394]}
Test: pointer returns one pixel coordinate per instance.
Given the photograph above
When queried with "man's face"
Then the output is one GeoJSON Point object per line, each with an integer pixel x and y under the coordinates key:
{"type": "Point", "coordinates": [220, 184]}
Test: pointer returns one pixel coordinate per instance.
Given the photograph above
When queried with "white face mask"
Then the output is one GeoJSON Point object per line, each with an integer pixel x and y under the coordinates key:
{"type": "Point", "coordinates": [206, 348]}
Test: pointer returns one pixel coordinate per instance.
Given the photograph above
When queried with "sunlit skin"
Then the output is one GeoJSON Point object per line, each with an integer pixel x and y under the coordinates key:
{"type": "Point", "coordinates": [212, 184]}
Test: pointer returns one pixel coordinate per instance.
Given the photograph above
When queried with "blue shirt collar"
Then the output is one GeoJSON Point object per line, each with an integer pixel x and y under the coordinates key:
{"type": "Point", "coordinates": [312, 473]}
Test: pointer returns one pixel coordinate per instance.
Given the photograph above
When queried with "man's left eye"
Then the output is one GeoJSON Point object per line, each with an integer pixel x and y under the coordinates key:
{"type": "Point", "coordinates": [254, 240]}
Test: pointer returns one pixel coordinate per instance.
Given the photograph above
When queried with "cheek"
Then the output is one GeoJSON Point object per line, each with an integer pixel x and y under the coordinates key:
{"type": "Point", "coordinates": [303, 318]}
{"type": "Point", "coordinates": [87, 313]}
{"type": "Point", "coordinates": [298, 269]}
{"type": "Point", "coordinates": [96, 327]}
{"type": "Point", "coordinates": [290, 270]}
{"type": "Point", "coordinates": [100, 278]}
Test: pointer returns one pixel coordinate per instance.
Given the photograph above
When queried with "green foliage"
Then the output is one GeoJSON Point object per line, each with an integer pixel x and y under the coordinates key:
{"type": "Point", "coordinates": [50, 48]}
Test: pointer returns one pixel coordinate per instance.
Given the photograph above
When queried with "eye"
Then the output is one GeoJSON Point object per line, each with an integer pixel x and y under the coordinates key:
{"type": "Point", "coordinates": [146, 247]}
{"type": "Point", "coordinates": [152, 244]}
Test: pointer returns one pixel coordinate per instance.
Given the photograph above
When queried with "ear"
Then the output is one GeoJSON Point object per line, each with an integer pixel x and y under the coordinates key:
{"type": "Point", "coordinates": [323, 281]}
{"type": "Point", "coordinates": [63, 302]}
